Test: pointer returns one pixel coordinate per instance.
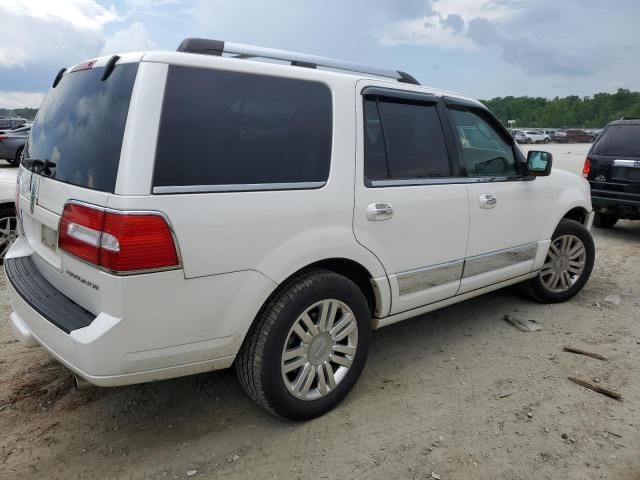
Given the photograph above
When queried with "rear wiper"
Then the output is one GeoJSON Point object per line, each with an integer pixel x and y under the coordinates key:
{"type": "Point", "coordinates": [36, 165]}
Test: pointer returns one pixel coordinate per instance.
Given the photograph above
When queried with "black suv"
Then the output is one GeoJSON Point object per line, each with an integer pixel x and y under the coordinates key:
{"type": "Point", "coordinates": [613, 170]}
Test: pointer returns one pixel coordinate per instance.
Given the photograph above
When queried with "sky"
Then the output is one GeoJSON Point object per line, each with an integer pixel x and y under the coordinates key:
{"type": "Point", "coordinates": [482, 48]}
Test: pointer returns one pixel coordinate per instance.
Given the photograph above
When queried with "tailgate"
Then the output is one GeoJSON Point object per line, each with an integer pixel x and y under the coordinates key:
{"type": "Point", "coordinates": [39, 209]}
{"type": "Point", "coordinates": [73, 153]}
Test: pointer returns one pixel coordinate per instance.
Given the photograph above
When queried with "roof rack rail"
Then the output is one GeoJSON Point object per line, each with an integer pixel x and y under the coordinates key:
{"type": "Point", "coordinates": [630, 118]}
{"type": "Point", "coordinates": [218, 47]}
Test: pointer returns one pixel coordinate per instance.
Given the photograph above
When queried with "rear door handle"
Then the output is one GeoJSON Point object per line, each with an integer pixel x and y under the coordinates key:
{"type": "Point", "coordinates": [379, 211]}
{"type": "Point", "coordinates": [487, 200]}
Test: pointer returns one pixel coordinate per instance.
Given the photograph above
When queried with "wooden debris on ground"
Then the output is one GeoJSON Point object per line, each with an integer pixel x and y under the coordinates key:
{"type": "Point", "coordinates": [596, 388]}
{"type": "Point", "coordinates": [580, 351]}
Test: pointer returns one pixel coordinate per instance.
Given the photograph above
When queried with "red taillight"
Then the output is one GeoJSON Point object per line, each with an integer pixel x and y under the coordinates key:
{"type": "Point", "coordinates": [586, 169]}
{"type": "Point", "coordinates": [118, 242]}
{"type": "Point", "coordinates": [3, 137]}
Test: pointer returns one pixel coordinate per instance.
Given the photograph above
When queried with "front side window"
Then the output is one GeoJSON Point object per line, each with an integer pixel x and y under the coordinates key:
{"type": "Point", "coordinates": [403, 141]}
{"type": "Point", "coordinates": [484, 151]}
{"type": "Point", "coordinates": [224, 129]}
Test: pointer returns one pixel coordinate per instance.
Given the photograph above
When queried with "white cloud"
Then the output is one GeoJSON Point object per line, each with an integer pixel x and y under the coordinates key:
{"type": "Point", "coordinates": [46, 32]}
{"type": "Point", "coordinates": [81, 14]}
{"type": "Point", "coordinates": [436, 28]}
{"type": "Point", "coordinates": [133, 38]}
{"type": "Point", "coordinates": [20, 99]}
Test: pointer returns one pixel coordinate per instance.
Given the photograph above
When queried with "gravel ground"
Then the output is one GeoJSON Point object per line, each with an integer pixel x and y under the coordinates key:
{"type": "Point", "coordinates": [455, 394]}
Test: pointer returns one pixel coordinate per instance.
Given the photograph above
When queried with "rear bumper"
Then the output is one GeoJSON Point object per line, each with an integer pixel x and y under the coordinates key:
{"type": "Point", "coordinates": [144, 345]}
{"type": "Point", "coordinates": [625, 205]}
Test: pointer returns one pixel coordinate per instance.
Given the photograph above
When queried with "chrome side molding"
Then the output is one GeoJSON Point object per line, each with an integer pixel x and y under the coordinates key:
{"type": "Point", "coordinates": [413, 281]}
{"type": "Point", "coordinates": [499, 259]}
{"type": "Point", "coordinates": [429, 277]}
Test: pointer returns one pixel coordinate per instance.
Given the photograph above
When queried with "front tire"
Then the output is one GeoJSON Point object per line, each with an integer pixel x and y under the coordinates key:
{"type": "Point", "coordinates": [307, 347]}
{"type": "Point", "coordinates": [568, 264]}
{"type": "Point", "coordinates": [605, 220]}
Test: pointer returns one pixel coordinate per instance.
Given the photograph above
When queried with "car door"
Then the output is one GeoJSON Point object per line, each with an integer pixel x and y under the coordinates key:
{"type": "Point", "coordinates": [410, 209]}
{"type": "Point", "coordinates": [503, 228]}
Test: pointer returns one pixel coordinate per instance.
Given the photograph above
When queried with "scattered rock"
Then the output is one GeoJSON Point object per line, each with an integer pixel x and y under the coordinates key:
{"type": "Point", "coordinates": [435, 476]}
{"type": "Point", "coordinates": [235, 458]}
{"type": "Point", "coordinates": [521, 324]}
{"type": "Point", "coordinates": [192, 473]}
{"type": "Point", "coordinates": [613, 299]}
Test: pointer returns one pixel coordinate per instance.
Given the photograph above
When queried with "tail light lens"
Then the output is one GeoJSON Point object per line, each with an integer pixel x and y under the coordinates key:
{"type": "Point", "coordinates": [3, 137]}
{"type": "Point", "coordinates": [118, 242]}
{"type": "Point", "coordinates": [586, 169]}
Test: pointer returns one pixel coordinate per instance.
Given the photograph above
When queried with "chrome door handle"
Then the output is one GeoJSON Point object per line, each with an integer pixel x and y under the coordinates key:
{"type": "Point", "coordinates": [487, 201]}
{"type": "Point", "coordinates": [379, 211]}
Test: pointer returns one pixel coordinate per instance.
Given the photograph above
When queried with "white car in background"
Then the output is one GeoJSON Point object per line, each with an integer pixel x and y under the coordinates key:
{"type": "Point", "coordinates": [536, 136]}
{"type": "Point", "coordinates": [8, 222]}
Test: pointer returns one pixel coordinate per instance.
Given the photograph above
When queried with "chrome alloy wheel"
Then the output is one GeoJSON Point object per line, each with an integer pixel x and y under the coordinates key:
{"type": "Point", "coordinates": [565, 263]}
{"type": "Point", "coordinates": [319, 349]}
{"type": "Point", "coordinates": [8, 233]}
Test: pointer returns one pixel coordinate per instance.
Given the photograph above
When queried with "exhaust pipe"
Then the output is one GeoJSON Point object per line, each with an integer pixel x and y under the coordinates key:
{"type": "Point", "coordinates": [80, 383]}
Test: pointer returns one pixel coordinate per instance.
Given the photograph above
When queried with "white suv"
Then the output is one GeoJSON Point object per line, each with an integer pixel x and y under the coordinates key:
{"type": "Point", "coordinates": [536, 136]}
{"type": "Point", "coordinates": [299, 208]}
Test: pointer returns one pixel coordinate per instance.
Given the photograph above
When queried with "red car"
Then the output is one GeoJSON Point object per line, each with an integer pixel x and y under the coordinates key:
{"type": "Point", "coordinates": [573, 136]}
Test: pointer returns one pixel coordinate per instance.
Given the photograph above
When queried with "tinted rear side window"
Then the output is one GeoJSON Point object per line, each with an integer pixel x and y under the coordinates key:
{"type": "Point", "coordinates": [80, 126]}
{"type": "Point", "coordinates": [223, 128]}
{"type": "Point", "coordinates": [403, 141]}
{"type": "Point", "coordinates": [619, 140]}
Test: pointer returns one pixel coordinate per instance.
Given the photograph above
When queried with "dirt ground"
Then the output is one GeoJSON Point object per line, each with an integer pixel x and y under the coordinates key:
{"type": "Point", "coordinates": [455, 394]}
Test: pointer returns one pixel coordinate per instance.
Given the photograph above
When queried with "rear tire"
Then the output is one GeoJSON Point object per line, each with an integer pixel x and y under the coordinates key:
{"type": "Point", "coordinates": [297, 362]}
{"type": "Point", "coordinates": [16, 161]}
{"type": "Point", "coordinates": [528, 141]}
{"type": "Point", "coordinates": [8, 229]}
{"type": "Point", "coordinates": [546, 140]}
{"type": "Point", "coordinates": [605, 220]}
{"type": "Point", "coordinates": [567, 266]}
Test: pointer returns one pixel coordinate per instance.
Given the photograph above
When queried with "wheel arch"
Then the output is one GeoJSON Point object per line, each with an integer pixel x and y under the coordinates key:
{"type": "Point", "coordinates": [580, 214]}
{"type": "Point", "coordinates": [376, 291]}
{"type": "Point", "coordinates": [7, 205]}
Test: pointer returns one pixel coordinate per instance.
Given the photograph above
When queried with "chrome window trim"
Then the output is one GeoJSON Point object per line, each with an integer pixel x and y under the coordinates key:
{"type": "Point", "coordinates": [429, 277]}
{"type": "Point", "coordinates": [440, 181]}
{"type": "Point", "coordinates": [248, 187]}
{"type": "Point", "coordinates": [492, 261]}
{"type": "Point", "coordinates": [627, 163]}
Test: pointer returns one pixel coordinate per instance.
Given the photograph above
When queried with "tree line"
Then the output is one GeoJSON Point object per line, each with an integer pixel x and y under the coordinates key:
{"type": "Point", "coordinates": [28, 113]}
{"type": "Point", "coordinates": [559, 112]}
{"type": "Point", "coordinates": [563, 112]}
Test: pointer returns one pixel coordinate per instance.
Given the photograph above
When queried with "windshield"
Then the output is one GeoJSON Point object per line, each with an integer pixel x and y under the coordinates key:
{"type": "Point", "coordinates": [80, 126]}
{"type": "Point", "coordinates": [619, 140]}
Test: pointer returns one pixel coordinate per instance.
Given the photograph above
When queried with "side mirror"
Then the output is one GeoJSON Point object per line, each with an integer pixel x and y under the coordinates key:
{"type": "Point", "coordinates": [539, 163]}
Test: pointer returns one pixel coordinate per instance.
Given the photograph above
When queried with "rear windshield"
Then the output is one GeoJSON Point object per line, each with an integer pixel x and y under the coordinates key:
{"type": "Point", "coordinates": [230, 130]}
{"type": "Point", "coordinates": [80, 126]}
{"type": "Point", "coordinates": [619, 140]}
